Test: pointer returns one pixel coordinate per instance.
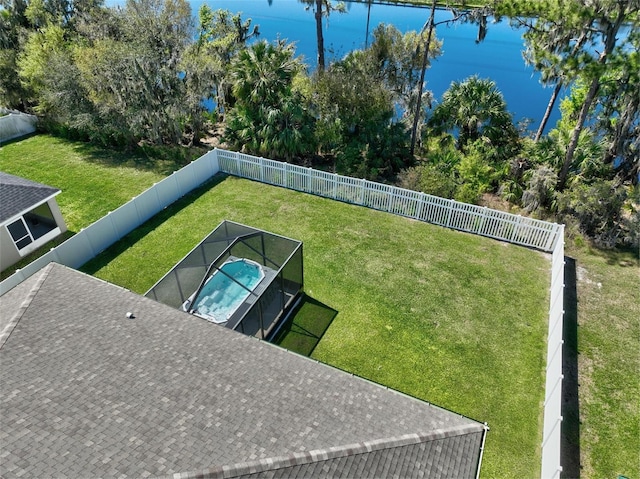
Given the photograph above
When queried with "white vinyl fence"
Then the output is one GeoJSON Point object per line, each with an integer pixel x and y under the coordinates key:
{"type": "Point", "coordinates": [532, 233]}
{"type": "Point", "coordinates": [14, 124]}
{"type": "Point", "coordinates": [551, 434]}
{"type": "Point", "coordinates": [431, 209]}
{"type": "Point", "coordinates": [90, 241]}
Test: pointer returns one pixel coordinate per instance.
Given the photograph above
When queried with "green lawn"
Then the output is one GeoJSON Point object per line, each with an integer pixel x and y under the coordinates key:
{"type": "Point", "coordinates": [448, 317]}
{"type": "Point", "coordinates": [608, 290]}
{"type": "Point", "coordinates": [93, 181]}
{"type": "Point", "coordinates": [608, 299]}
{"type": "Point", "coordinates": [306, 326]}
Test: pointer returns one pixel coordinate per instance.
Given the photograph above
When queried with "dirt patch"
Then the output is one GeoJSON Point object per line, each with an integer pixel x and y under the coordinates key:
{"type": "Point", "coordinates": [213, 138]}
{"type": "Point", "coordinates": [583, 277]}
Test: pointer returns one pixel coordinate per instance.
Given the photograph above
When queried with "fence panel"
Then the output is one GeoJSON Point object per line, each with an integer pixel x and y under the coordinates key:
{"type": "Point", "coordinates": [552, 426]}
{"type": "Point", "coordinates": [298, 178]}
{"type": "Point", "coordinates": [76, 251]}
{"type": "Point", "coordinates": [349, 189]}
{"type": "Point", "coordinates": [274, 173]}
{"type": "Point", "coordinates": [101, 233]}
{"type": "Point", "coordinates": [405, 203]}
{"type": "Point", "coordinates": [376, 195]}
{"type": "Point", "coordinates": [226, 161]}
{"type": "Point", "coordinates": [323, 183]}
{"type": "Point", "coordinates": [452, 214]}
{"type": "Point", "coordinates": [147, 204]}
{"type": "Point", "coordinates": [204, 167]}
{"type": "Point", "coordinates": [249, 167]}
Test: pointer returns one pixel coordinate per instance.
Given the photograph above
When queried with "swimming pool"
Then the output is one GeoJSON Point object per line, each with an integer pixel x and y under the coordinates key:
{"type": "Point", "coordinates": [221, 295]}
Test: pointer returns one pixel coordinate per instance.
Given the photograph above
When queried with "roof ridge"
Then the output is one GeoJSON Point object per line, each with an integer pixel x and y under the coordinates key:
{"type": "Point", "coordinates": [8, 329]}
{"type": "Point", "coordinates": [317, 455]}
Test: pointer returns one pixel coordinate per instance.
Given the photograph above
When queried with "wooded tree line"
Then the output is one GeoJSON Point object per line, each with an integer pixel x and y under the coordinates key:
{"type": "Point", "coordinates": [152, 72]}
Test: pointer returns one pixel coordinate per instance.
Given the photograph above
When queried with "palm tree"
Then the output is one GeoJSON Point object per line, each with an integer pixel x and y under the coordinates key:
{"type": "Point", "coordinates": [269, 117]}
{"type": "Point", "coordinates": [475, 108]}
{"type": "Point", "coordinates": [264, 72]}
{"type": "Point", "coordinates": [322, 8]}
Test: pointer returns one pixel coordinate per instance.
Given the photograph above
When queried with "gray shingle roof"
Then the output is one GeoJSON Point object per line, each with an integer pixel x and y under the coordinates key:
{"type": "Point", "coordinates": [87, 392]}
{"type": "Point", "coordinates": [19, 194]}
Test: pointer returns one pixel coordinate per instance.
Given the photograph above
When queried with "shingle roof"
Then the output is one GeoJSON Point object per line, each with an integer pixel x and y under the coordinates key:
{"type": "Point", "coordinates": [19, 194]}
{"type": "Point", "coordinates": [87, 392]}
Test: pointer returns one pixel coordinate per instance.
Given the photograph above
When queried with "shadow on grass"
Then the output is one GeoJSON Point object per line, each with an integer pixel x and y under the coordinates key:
{"type": "Point", "coordinates": [119, 247]}
{"type": "Point", "coordinates": [305, 327]}
{"type": "Point", "coordinates": [161, 159]}
{"type": "Point", "coordinates": [570, 432]}
{"type": "Point", "coordinates": [17, 139]}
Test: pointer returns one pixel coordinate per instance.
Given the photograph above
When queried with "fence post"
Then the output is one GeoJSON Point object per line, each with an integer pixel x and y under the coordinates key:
{"type": "Point", "coordinates": [449, 213]}
{"type": "Point", "coordinates": [286, 176]}
{"type": "Point", "coordinates": [237, 156]}
{"type": "Point", "coordinates": [54, 253]}
{"type": "Point", "coordinates": [362, 186]}
{"type": "Point", "coordinates": [516, 226]}
{"type": "Point", "coordinates": [390, 200]}
{"type": "Point", "coordinates": [483, 218]}
{"type": "Point", "coordinates": [420, 206]}
{"type": "Point", "coordinates": [335, 186]}
{"type": "Point", "coordinates": [261, 162]}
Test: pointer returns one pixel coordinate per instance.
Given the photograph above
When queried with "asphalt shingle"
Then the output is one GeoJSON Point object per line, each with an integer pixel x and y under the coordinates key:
{"type": "Point", "coordinates": [86, 391]}
{"type": "Point", "coordinates": [19, 194]}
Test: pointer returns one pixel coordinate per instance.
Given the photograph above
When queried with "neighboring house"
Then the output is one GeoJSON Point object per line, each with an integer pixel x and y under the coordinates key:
{"type": "Point", "coordinates": [29, 217]}
{"type": "Point", "coordinates": [96, 381]}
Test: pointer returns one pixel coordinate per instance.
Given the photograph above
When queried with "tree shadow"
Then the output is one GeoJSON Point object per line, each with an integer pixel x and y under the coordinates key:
{"type": "Point", "coordinates": [570, 429]}
{"type": "Point", "coordinates": [160, 159]}
{"type": "Point", "coordinates": [305, 327]}
{"type": "Point", "coordinates": [128, 240]}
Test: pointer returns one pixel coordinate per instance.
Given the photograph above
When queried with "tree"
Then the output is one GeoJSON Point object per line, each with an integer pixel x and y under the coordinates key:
{"type": "Point", "coordinates": [550, 66]}
{"type": "Point", "coordinates": [354, 110]}
{"type": "Point", "coordinates": [33, 61]}
{"type": "Point", "coordinates": [132, 72]}
{"type": "Point", "coordinates": [268, 117]}
{"type": "Point", "coordinates": [618, 115]}
{"type": "Point", "coordinates": [397, 59]}
{"type": "Point", "coordinates": [13, 28]}
{"type": "Point", "coordinates": [476, 109]}
{"type": "Point", "coordinates": [322, 9]}
{"type": "Point", "coordinates": [221, 35]}
{"type": "Point", "coordinates": [559, 26]}
{"type": "Point", "coordinates": [598, 208]}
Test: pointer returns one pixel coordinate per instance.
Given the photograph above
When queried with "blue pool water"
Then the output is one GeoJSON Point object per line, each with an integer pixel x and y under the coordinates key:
{"type": "Point", "coordinates": [221, 296]}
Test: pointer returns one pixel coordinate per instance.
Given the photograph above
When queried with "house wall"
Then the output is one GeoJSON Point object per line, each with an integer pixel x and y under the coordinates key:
{"type": "Point", "coordinates": [57, 215]}
{"type": "Point", "coordinates": [9, 253]}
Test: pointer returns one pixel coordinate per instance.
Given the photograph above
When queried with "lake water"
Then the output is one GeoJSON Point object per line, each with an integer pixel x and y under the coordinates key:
{"type": "Point", "coordinates": [498, 57]}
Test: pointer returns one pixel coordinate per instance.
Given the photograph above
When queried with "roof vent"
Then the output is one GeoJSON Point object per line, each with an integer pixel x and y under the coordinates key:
{"type": "Point", "coordinates": [130, 315]}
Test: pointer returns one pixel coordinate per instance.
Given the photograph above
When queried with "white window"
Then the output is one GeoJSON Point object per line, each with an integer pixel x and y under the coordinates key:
{"type": "Point", "coordinates": [20, 233]}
